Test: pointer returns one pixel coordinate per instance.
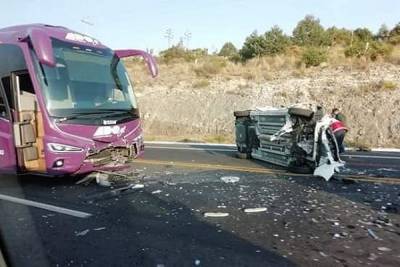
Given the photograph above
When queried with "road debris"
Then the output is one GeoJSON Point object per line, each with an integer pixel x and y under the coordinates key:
{"type": "Point", "coordinates": [82, 233]}
{"type": "Point", "coordinates": [102, 179]}
{"type": "Point", "coordinates": [197, 262]}
{"type": "Point", "coordinates": [254, 210]}
{"type": "Point", "coordinates": [230, 179]}
{"type": "Point", "coordinates": [372, 234]}
{"type": "Point", "coordinates": [99, 229]}
{"type": "Point", "coordinates": [216, 214]}
{"type": "Point", "coordinates": [137, 186]}
{"type": "Point", "coordinates": [384, 249]}
{"type": "Point", "coordinates": [156, 192]}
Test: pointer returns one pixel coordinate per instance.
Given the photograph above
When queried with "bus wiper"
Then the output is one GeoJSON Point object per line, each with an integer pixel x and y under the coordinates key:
{"type": "Point", "coordinates": [77, 115]}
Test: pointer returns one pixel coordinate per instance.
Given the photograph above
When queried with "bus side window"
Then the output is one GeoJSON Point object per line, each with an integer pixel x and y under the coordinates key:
{"type": "Point", "coordinates": [6, 81]}
{"type": "Point", "coordinates": [26, 83]}
{"type": "Point", "coordinates": [3, 107]}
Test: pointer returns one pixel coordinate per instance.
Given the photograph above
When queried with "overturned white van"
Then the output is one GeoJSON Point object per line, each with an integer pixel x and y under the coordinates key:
{"type": "Point", "coordinates": [298, 138]}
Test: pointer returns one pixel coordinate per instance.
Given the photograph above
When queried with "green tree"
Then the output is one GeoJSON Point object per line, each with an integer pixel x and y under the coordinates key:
{"type": "Point", "coordinates": [337, 36]}
{"type": "Point", "coordinates": [383, 33]}
{"type": "Point", "coordinates": [228, 50]}
{"type": "Point", "coordinates": [275, 41]}
{"type": "Point", "coordinates": [394, 35]}
{"type": "Point", "coordinates": [253, 46]}
{"type": "Point", "coordinates": [363, 34]}
{"type": "Point", "coordinates": [309, 32]}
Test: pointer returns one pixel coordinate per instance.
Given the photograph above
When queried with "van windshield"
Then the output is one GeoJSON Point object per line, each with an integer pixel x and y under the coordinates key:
{"type": "Point", "coordinates": [86, 80]}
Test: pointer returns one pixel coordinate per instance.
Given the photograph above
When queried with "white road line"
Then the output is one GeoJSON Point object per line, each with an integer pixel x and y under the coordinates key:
{"type": "Point", "coordinates": [44, 206]}
{"type": "Point", "coordinates": [187, 143]}
{"type": "Point", "coordinates": [234, 150]}
{"type": "Point", "coordinates": [370, 157]}
{"type": "Point", "coordinates": [192, 148]}
{"type": "Point", "coordinates": [234, 145]}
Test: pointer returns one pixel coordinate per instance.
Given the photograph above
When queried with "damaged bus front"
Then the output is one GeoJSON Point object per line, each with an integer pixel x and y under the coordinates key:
{"type": "Point", "coordinates": [67, 105]}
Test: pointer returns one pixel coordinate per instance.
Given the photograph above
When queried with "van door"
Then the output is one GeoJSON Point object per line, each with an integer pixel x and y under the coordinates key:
{"type": "Point", "coordinates": [8, 160]}
{"type": "Point", "coordinates": [28, 129]}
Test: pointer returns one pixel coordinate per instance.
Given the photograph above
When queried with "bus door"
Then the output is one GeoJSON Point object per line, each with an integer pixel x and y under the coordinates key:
{"type": "Point", "coordinates": [28, 127]}
{"type": "Point", "coordinates": [8, 160]}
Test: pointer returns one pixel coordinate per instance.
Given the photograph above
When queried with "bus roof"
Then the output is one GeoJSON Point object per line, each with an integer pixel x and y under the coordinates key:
{"type": "Point", "coordinates": [15, 34]}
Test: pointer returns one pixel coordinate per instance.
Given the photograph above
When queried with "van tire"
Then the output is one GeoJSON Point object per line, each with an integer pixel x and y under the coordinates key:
{"type": "Point", "coordinates": [305, 169]}
{"type": "Point", "coordinates": [243, 155]}
{"type": "Point", "coordinates": [241, 113]}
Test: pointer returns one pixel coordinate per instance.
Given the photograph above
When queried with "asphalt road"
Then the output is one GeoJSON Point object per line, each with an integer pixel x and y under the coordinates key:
{"type": "Point", "coordinates": [304, 220]}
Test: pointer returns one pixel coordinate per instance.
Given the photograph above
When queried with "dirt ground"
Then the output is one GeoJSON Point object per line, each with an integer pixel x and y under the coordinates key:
{"type": "Point", "coordinates": [369, 98]}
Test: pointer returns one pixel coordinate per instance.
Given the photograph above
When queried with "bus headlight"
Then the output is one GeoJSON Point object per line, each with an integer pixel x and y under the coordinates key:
{"type": "Point", "coordinates": [54, 147]}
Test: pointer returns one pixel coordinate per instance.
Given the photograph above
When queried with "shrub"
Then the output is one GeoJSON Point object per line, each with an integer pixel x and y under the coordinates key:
{"type": "Point", "coordinates": [179, 52]}
{"type": "Point", "coordinates": [201, 83]}
{"type": "Point", "coordinates": [211, 67]}
{"type": "Point", "coordinates": [372, 50]}
{"type": "Point", "coordinates": [388, 85]}
{"type": "Point", "coordinates": [379, 49]}
{"type": "Point", "coordinates": [314, 56]}
{"type": "Point", "coordinates": [357, 49]}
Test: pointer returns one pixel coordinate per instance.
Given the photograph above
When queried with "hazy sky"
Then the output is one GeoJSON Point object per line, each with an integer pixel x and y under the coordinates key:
{"type": "Point", "coordinates": [142, 24]}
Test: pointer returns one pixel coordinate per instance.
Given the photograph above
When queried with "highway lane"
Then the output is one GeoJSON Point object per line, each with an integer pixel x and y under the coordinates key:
{"type": "Point", "coordinates": [380, 164]}
{"type": "Point", "coordinates": [163, 223]}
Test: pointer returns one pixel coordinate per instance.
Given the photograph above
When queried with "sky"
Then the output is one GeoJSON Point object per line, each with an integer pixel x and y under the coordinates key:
{"type": "Point", "coordinates": [211, 23]}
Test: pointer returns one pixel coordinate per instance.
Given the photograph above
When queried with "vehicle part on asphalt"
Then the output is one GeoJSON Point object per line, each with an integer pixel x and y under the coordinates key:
{"type": "Point", "coordinates": [254, 210]}
{"type": "Point", "coordinates": [216, 214]}
{"type": "Point", "coordinates": [230, 179]}
{"type": "Point", "coordinates": [296, 138]}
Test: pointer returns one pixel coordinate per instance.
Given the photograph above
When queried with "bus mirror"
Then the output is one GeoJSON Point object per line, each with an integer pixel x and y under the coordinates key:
{"type": "Point", "coordinates": [41, 43]}
{"type": "Point", "coordinates": [150, 61]}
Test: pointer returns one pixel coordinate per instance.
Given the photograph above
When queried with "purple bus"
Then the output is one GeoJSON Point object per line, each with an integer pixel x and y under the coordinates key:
{"type": "Point", "coordinates": [67, 105]}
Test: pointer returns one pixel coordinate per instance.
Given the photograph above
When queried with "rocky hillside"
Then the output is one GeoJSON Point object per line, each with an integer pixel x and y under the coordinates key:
{"type": "Point", "coordinates": [182, 105]}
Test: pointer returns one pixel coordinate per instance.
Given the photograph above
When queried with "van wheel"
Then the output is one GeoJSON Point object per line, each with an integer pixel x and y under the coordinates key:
{"type": "Point", "coordinates": [304, 169]}
{"type": "Point", "coordinates": [243, 155]}
{"type": "Point", "coordinates": [241, 113]}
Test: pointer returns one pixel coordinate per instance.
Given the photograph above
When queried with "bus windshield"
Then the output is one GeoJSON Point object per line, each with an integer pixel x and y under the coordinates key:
{"type": "Point", "coordinates": [85, 80]}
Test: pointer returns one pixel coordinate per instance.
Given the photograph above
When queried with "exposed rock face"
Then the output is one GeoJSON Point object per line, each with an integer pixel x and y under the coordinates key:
{"type": "Point", "coordinates": [369, 99]}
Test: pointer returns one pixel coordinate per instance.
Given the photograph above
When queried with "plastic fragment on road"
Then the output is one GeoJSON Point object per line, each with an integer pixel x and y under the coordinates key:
{"type": "Point", "coordinates": [137, 186]}
{"type": "Point", "coordinates": [372, 234]}
{"type": "Point", "coordinates": [326, 170]}
{"type": "Point", "coordinates": [230, 179]}
{"type": "Point", "coordinates": [384, 249]}
{"type": "Point", "coordinates": [216, 214]}
{"type": "Point", "coordinates": [102, 179]}
{"type": "Point", "coordinates": [82, 233]}
{"type": "Point", "coordinates": [254, 210]}
{"type": "Point", "coordinates": [156, 192]}
{"type": "Point", "coordinates": [99, 229]}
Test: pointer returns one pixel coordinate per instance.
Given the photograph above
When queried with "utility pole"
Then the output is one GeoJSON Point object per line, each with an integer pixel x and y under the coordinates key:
{"type": "Point", "coordinates": [187, 36]}
{"type": "Point", "coordinates": [169, 35]}
{"type": "Point", "coordinates": [87, 24]}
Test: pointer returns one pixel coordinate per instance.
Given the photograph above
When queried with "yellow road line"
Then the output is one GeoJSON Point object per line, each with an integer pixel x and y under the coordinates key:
{"type": "Point", "coordinates": [260, 170]}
